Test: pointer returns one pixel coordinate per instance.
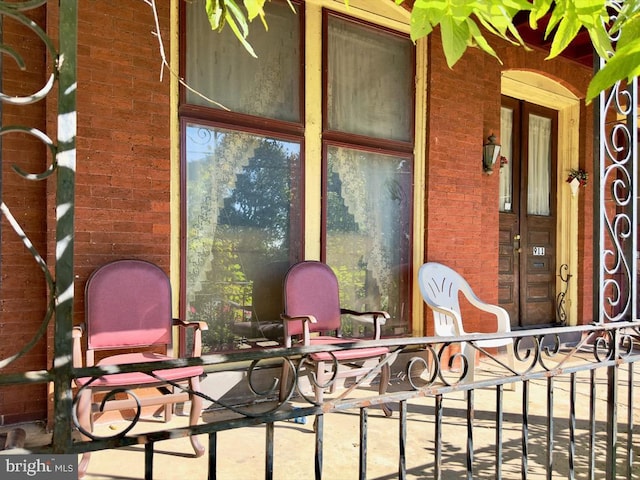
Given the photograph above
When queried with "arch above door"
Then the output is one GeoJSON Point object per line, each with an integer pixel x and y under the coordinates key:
{"type": "Point", "coordinates": [536, 88]}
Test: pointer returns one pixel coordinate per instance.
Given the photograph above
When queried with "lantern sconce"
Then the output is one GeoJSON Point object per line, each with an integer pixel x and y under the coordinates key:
{"type": "Point", "coordinates": [490, 152]}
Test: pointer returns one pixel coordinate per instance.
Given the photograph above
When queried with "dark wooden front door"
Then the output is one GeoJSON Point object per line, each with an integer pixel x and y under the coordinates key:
{"type": "Point", "coordinates": [527, 240]}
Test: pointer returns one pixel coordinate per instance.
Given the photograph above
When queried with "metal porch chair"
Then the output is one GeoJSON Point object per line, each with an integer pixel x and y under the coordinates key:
{"type": "Point", "coordinates": [312, 306]}
{"type": "Point", "coordinates": [128, 308]}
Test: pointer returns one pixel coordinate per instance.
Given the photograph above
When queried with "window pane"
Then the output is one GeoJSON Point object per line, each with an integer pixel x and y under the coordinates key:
{"type": "Point", "coordinates": [506, 151]}
{"type": "Point", "coordinates": [219, 67]}
{"type": "Point", "coordinates": [370, 82]}
{"type": "Point", "coordinates": [539, 179]}
{"type": "Point", "coordinates": [242, 225]}
{"type": "Point", "coordinates": [368, 231]}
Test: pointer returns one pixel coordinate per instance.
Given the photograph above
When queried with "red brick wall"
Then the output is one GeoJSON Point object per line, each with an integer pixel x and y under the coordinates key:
{"type": "Point", "coordinates": [462, 214]}
{"type": "Point", "coordinates": [22, 286]}
{"type": "Point", "coordinates": [123, 159]}
{"type": "Point", "coordinates": [123, 163]}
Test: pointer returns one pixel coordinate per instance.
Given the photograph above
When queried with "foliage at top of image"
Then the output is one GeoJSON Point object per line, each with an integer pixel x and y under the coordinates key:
{"type": "Point", "coordinates": [463, 24]}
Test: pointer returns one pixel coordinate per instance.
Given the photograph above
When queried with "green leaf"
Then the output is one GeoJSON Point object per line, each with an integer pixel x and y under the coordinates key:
{"type": "Point", "coordinates": [567, 31]}
{"type": "Point", "coordinates": [482, 43]}
{"type": "Point", "coordinates": [238, 17]}
{"type": "Point", "coordinates": [455, 38]}
{"type": "Point", "coordinates": [600, 41]}
{"type": "Point", "coordinates": [625, 63]}
{"type": "Point", "coordinates": [433, 10]}
{"type": "Point", "coordinates": [254, 8]}
{"type": "Point", "coordinates": [538, 10]}
{"type": "Point", "coordinates": [630, 32]}
{"type": "Point", "coordinates": [420, 25]}
{"type": "Point", "coordinates": [215, 13]}
{"type": "Point", "coordinates": [590, 12]}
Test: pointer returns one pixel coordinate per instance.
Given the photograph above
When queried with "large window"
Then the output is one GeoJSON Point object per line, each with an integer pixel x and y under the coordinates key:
{"type": "Point", "coordinates": [246, 186]}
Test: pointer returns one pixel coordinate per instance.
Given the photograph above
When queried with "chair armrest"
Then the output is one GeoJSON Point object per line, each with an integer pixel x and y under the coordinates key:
{"type": "Point", "coordinates": [197, 327]}
{"type": "Point", "coordinates": [449, 312]}
{"type": "Point", "coordinates": [305, 319]}
{"type": "Point", "coordinates": [76, 333]}
{"type": "Point", "coordinates": [502, 316]}
{"type": "Point", "coordinates": [377, 317]}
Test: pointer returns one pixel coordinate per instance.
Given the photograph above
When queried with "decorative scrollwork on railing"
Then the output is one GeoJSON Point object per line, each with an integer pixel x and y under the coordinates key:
{"type": "Point", "coordinates": [561, 298]}
{"type": "Point", "coordinates": [18, 12]}
{"type": "Point", "coordinates": [618, 234]}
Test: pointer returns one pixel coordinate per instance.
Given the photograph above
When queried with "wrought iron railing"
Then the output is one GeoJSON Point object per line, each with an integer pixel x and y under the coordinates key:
{"type": "Point", "coordinates": [426, 368]}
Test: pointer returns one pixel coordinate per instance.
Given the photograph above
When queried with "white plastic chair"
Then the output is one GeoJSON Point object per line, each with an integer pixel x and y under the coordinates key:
{"type": "Point", "coordinates": [440, 287]}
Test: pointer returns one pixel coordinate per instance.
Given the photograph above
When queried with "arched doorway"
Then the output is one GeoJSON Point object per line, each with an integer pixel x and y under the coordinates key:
{"type": "Point", "coordinates": [538, 238]}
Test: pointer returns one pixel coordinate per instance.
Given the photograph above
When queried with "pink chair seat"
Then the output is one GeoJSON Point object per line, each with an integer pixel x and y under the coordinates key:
{"type": "Point", "coordinates": [137, 378]}
{"type": "Point", "coordinates": [342, 355]}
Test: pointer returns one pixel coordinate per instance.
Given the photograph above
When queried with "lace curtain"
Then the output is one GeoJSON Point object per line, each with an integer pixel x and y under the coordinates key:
{"type": "Point", "coordinates": [539, 173]}
{"type": "Point", "coordinates": [376, 191]}
{"type": "Point", "coordinates": [370, 82]}
{"type": "Point", "coordinates": [214, 159]}
{"type": "Point", "coordinates": [506, 150]}
{"type": "Point", "coordinates": [219, 67]}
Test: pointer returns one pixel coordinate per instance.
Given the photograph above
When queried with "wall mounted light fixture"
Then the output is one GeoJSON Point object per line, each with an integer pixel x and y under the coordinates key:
{"type": "Point", "coordinates": [490, 152]}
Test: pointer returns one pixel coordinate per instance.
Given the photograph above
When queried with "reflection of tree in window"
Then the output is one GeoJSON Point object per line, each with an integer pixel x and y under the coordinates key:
{"type": "Point", "coordinates": [252, 229]}
{"type": "Point", "coordinates": [340, 219]}
{"type": "Point", "coordinates": [258, 210]}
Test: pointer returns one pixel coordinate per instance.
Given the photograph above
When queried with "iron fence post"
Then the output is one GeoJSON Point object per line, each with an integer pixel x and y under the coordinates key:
{"type": "Point", "coordinates": [65, 191]}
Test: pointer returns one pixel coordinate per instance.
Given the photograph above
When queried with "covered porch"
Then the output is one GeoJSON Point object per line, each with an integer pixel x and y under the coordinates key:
{"type": "Point", "coordinates": [565, 409]}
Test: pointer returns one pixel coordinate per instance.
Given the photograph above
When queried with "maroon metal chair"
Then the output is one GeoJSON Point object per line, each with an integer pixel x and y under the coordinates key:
{"type": "Point", "coordinates": [312, 306]}
{"type": "Point", "coordinates": [128, 307]}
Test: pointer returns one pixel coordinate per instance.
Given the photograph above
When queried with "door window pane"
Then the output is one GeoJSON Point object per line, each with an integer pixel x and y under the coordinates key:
{"type": "Point", "coordinates": [370, 81]}
{"type": "Point", "coordinates": [219, 67]}
{"type": "Point", "coordinates": [368, 231]}
{"type": "Point", "coordinates": [539, 171]}
{"type": "Point", "coordinates": [506, 151]}
{"type": "Point", "coordinates": [242, 214]}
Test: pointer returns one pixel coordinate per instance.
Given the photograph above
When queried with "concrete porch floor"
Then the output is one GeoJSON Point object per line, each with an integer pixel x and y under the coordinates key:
{"type": "Point", "coordinates": [241, 452]}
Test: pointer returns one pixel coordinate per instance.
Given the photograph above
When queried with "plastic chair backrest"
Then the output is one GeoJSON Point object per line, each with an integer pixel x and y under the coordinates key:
{"type": "Point", "coordinates": [440, 287]}
{"type": "Point", "coordinates": [128, 304]}
{"type": "Point", "coordinates": [311, 288]}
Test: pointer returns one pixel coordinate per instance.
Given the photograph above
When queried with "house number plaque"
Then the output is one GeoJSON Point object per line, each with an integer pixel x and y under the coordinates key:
{"type": "Point", "coordinates": [538, 251]}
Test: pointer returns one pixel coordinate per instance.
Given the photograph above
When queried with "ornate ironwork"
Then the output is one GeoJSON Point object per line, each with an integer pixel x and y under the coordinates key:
{"type": "Point", "coordinates": [616, 214]}
{"type": "Point", "coordinates": [63, 154]}
{"type": "Point", "coordinates": [561, 312]}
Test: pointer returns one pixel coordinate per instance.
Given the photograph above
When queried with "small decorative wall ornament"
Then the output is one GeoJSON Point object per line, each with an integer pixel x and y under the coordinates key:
{"type": "Point", "coordinates": [577, 178]}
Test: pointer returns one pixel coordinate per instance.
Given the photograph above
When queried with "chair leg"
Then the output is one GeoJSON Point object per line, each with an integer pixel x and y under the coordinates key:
{"type": "Point", "coordinates": [318, 389]}
{"type": "Point", "coordinates": [194, 415]}
{"type": "Point", "coordinates": [83, 410]}
{"type": "Point", "coordinates": [385, 376]}
{"type": "Point", "coordinates": [469, 354]}
{"type": "Point", "coordinates": [284, 380]}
